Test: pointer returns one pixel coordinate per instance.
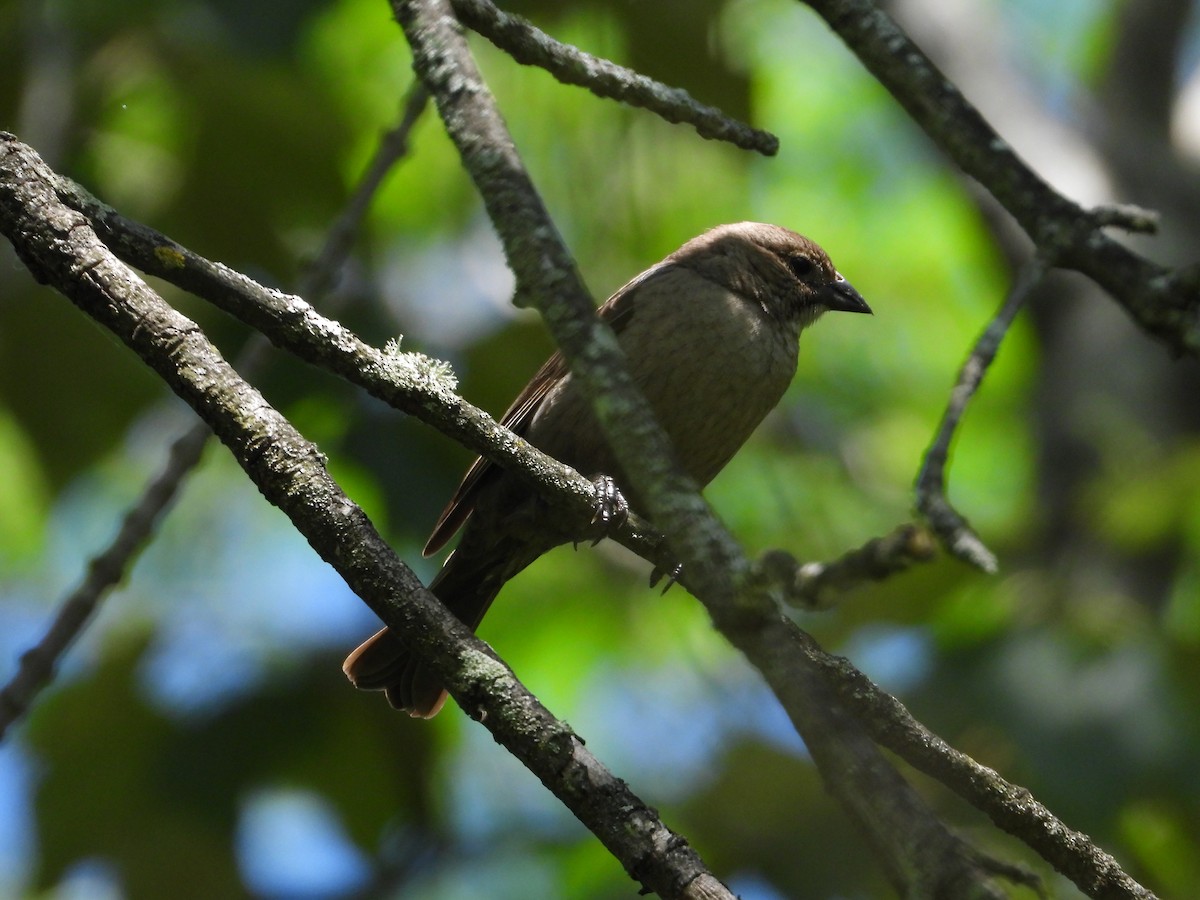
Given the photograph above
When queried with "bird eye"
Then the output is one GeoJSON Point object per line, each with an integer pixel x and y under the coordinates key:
{"type": "Point", "coordinates": [801, 266]}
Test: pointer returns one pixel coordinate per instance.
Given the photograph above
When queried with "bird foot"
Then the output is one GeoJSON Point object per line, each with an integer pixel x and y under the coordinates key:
{"type": "Point", "coordinates": [612, 509]}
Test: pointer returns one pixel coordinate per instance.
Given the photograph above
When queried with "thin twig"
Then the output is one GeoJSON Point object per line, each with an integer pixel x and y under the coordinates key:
{"type": "Point", "coordinates": [39, 663]}
{"type": "Point", "coordinates": [818, 585]}
{"type": "Point", "coordinates": [570, 65]}
{"type": "Point", "coordinates": [949, 525]}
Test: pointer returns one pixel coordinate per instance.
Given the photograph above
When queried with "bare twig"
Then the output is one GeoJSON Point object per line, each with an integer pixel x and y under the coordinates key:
{"type": "Point", "coordinates": [570, 65]}
{"type": "Point", "coordinates": [949, 525]}
{"type": "Point", "coordinates": [39, 663]}
{"type": "Point", "coordinates": [1163, 301]}
{"type": "Point", "coordinates": [818, 585]}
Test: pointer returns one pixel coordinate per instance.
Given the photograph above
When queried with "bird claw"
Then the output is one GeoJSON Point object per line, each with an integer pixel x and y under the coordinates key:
{"type": "Point", "coordinates": [672, 575]}
{"type": "Point", "coordinates": [612, 509]}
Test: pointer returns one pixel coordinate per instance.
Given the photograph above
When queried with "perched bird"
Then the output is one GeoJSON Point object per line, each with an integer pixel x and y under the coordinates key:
{"type": "Point", "coordinates": [711, 335]}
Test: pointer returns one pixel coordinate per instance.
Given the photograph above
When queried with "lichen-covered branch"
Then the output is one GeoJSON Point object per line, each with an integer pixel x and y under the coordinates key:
{"type": "Point", "coordinates": [410, 382]}
{"type": "Point", "coordinates": [60, 248]}
{"type": "Point", "coordinates": [106, 569]}
{"type": "Point", "coordinates": [715, 569]}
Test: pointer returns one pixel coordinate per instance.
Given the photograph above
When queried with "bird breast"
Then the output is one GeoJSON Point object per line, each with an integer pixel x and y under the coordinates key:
{"type": "Point", "coordinates": [710, 362]}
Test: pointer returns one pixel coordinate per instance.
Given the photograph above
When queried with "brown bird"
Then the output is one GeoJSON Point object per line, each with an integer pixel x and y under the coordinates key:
{"type": "Point", "coordinates": [711, 336]}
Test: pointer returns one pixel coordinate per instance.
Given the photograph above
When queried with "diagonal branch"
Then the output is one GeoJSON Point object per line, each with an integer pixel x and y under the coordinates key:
{"type": "Point", "coordinates": [775, 645]}
{"type": "Point", "coordinates": [39, 663]}
{"type": "Point", "coordinates": [1010, 806]}
{"type": "Point", "coordinates": [1164, 302]}
{"type": "Point", "coordinates": [916, 849]}
{"type": "Point", "coordinates": [570, 65]}
{"type": "Point", "coordinates": [60, 248]}
{"type": "Point", "coordinates": [410, 382]}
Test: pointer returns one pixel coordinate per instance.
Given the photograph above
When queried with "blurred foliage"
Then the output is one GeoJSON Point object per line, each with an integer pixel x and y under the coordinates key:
{"type": "Point", "coordinates": [207, 697]}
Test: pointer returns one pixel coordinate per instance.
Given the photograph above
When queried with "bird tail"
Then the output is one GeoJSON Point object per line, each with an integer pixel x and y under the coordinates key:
{"type": "Point", "coordinates": [467, 584]}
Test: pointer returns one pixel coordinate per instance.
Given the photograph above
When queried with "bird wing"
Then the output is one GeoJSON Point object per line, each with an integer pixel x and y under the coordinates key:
{"type": "Point", "coordinates": [616, 311]}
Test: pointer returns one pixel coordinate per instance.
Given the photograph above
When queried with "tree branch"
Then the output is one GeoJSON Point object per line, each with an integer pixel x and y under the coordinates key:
{"type": "Point", "coordinates": [570, 65]}
{"type": "Point", "coordinates": [1164, 302]}
{"type": "Point", "coordinates": [949, 525]}
{"type": "Point", "coordinates": [410, 382]}
{"type": "Point", "coordinates": [105, 571]}
{"type": "Point", "coordinates": [60, 248]}
{"type": "Point", "coordinates": [1010, 806]}
{"type": "Point", "coordinates": [40, 662]}
{"type": "Point", "coordinates": [715, 569]}
{"type": "Point", "coordinates": [819, 585]}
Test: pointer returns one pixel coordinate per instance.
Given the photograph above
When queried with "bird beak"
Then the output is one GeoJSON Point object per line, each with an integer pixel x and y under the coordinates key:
{"type": "Point", "coordinates": [840, 296]}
